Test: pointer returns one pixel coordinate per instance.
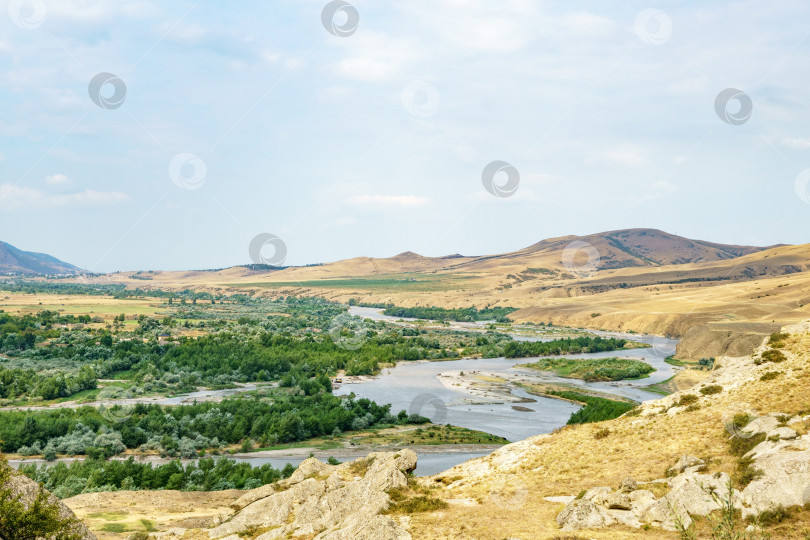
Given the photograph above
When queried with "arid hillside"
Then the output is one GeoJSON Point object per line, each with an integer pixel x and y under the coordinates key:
{"type": "Point", "coordinates": [721, 299]}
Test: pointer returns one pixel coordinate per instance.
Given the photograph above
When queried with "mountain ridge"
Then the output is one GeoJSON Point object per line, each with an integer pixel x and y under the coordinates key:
{"type": "Point", "coordinates": [16, 261]}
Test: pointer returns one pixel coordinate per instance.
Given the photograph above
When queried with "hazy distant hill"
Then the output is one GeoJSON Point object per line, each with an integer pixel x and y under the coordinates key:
{"type": "Point", "coordinates": [620, 249]}
{"type": "Point", "coordinates": [27, 262]}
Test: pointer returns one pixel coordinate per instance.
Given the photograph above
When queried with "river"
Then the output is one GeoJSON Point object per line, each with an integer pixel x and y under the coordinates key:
{"type": "Point", "coordinates": [413, 386]}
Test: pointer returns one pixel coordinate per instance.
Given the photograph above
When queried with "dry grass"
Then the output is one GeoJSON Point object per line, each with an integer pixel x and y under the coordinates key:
{"type": "Point", "coordinates": [133, 511]}
{"type": "Point", "coordinates": [572, 460]}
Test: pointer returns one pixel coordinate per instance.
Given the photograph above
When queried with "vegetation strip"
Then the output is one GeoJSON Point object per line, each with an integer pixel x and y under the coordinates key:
{"type": "Point", "coordinates": [594, 369]}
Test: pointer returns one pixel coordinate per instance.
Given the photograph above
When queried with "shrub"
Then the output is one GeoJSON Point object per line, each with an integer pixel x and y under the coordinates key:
{"type": "Point", "coordinates": [601, 434]}
{"type": "Point", "coordinates": [686, 399]}
{"type": "Point", "coordinates": [772, 517]}
{"type": "Point", "coordinates": [711, 389]}
{"type": "Point", "coordinates": [707, 363]}
{"type": "Point", "coordinates": [745, 472]}
{"type": "Point", "coordinates": [420, 503]}
{"type": "Point", "coordinates": [769, 375]}
{"type": "Point", "coordinates": [771, 355]}
{"type": "Point", "coordinates": [777, 340]}
{"type": "Point", "coordinates": [742, 445]}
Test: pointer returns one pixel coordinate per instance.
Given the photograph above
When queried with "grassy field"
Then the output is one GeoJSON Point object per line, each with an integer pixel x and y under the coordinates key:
{"type": "Point", "coordinates": [105, 307]}
{"type": "Point", "coordinates": [390, 282]}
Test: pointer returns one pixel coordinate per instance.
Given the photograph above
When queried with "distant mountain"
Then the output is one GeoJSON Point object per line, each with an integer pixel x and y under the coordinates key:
{"type": "Point", "coordinates": [13, 260]}
{"type": "Point", "coordinates": [621, 249]}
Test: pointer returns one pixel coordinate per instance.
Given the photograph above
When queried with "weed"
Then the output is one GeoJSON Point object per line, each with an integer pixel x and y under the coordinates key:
{"type": "Point", "coordinates": [601, 434]}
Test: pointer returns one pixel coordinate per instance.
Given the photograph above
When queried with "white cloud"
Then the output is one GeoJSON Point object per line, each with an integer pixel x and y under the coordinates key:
{"type": "Point", "coordinates": [405, 201]}
{"type": "Point", "coordinates": [791, 142]}
{"type": "Point", "coordinates": [625, 155]}
{"type": "Point", "coordinates": [376, 57]}
{"type": "Point", "coordinates": [346, 220]}
{"type": "Point", "coordinates": [14, 197]}
{"type": "Point", "coordinates": [57, 179]}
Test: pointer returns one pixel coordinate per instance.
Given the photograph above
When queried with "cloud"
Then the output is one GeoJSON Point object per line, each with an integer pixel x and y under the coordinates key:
{"type": "Point", "coordinates": [57, 179]}
{"type": "Point", "coordinates": [13, 197]}
{"type": "Point", "coordinates": [376, 57]}
{"type": "Point", "coordinates": [791, 142]}
{"type": "Point", "coordinates": [405, 201]}
{"type": "Point", "coordinates": [625, 155]}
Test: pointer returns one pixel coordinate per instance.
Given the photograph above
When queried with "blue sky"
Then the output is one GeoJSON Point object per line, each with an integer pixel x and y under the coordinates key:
{"type": "Point", "coordinates": [374, 143]}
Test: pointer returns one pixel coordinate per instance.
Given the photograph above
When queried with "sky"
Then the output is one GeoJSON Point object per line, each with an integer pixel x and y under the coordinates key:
{"type": "Point", "coordinates": [147, 135]}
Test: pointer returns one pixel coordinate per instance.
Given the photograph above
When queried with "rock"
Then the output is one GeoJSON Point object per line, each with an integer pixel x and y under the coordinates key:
{"type": "Point", "coordinates": [28, 490]}
{"type": "Point", "coordinates": [641, 500]}
{"type": "Point", "coordinates": [625, 517]}
{"type": "Point", "coordinates": [583, 514]}
{"type": "Point", "coordinates": [564, 499]}
{"type": "Point", "coordinates": [363, 528]}
{"type": "Point", "coordinates": [763, 424]}
{"type": "Point", "coordinates": [691, 493]}
{"type": "Point", "coordinates": [325, 501]}
{"type": "Point", "coordinates": [786, 476]}
{"type": "Point", "coordinates": [784, 433]}
{"type": "Point", "coordinates": [597, 495]}
{"type": "Point", "coordinates": [617, 501]}
{"type": "Point", "coordinates": [628, 485]}
{"type": "Point", "coordinates": [684, 462]}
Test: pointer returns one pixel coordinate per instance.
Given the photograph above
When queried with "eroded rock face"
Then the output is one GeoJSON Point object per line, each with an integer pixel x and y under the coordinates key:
{"type": "Point", "coordinates": [28, 491]}
{"type": "Point", "coordinates": [330, 502]}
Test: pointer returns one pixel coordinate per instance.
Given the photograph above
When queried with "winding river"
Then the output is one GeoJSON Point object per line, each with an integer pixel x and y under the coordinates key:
{"type": "Point", "coordinates": [414, 386]}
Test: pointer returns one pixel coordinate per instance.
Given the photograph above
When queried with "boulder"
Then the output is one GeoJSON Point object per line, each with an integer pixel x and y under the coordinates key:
{"type": "Point", "coordinates": [685, 462]}
{"type": "Point", "coordinates": [326, 501]}
{"type": "Point", "coordinates": [784, 433]}
{"type": "Point", "coordinates": [763, 424]}
{"type": "Point", "coordinates": [691, 493]}
{"type": "Point", "coordinates": [583, 514]}
{"type": "Point", "coordinates": [641, 500]}
{"type": "Point", "coordinates": [628, 485]}
{"type": "Point", "coordinates": [597, 495]}
{"type": "Point", "coordinates": [617, 501]}
{"type": "Point", "coordinates": [786, 476]}
{"type": "Point", "coordinates": [367, 528]}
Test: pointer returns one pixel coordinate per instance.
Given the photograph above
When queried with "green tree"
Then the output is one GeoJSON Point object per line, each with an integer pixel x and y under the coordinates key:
{"type": "Point", "coordinates": [38, 519]}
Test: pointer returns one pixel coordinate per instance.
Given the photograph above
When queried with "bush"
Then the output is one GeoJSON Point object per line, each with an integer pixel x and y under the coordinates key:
{"type": "Point", "coordinates": [741, 445]}
{"type": "Point", "coordinates": [420, 503]}
{"type": "Point", "coordinates": [687, 399]}
{"type": "Point", "coordinates": [711, 389]}
{"type": "Point", "coordinates": [601, 434]}
{"type": "Point", "coordinates": [769, 376]}
{"type": "Point", "coordinates": [777, 340]}
{"type": "Point", "coordinates": [772, 517]}
{"type": "Point", "coordinates": [771, 355]}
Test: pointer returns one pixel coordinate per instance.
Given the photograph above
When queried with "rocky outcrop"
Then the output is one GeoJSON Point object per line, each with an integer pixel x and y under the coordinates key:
{"type": "Point", "coordinates": [785, 480]}
{"type": "Point", "coordinates": [325, 501]}
{"type": "Point", "coordinates": [783, 460]}
{"type": "Point", "coordinates": [27, 491]}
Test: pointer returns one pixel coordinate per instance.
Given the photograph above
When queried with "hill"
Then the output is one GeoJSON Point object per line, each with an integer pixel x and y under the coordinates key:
{"type": "Point", "coordinates": [17, 261]}
{"type": "Point", "coordinates": [722, 299]}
